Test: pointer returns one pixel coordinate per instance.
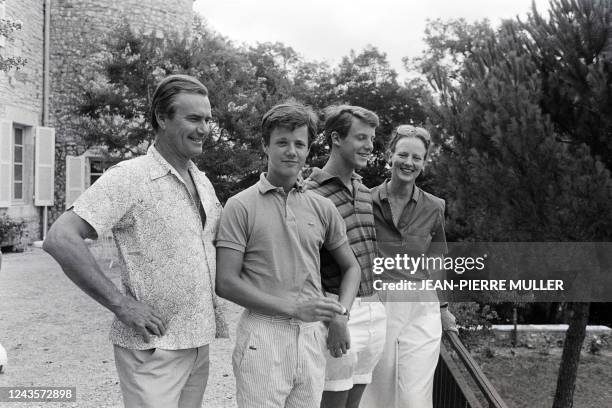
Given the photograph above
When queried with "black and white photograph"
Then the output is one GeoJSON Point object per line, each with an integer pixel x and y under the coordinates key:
{"type": "Point", "coordinates": [290, 204]}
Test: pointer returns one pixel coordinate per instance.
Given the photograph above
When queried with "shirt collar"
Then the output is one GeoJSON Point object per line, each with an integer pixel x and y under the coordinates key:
{"type": "Point", "coordinates": [265, 186]}
{"type": "Point", "coordinates": [321, 176]}
{"type": "Point", "coordinates": [161, 166]}
{"type": "Point", "coordinates": [383, 193]}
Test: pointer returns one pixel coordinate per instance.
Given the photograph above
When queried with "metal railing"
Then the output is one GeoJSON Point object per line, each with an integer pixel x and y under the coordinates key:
{"type": "Point", "coordinates": [453, 383]}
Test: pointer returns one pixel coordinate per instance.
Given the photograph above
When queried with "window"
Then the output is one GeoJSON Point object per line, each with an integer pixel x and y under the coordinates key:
{"type": "Point", "coordinates": [18, 164]}
{"type": "Point", "coordinates": [96, 168]}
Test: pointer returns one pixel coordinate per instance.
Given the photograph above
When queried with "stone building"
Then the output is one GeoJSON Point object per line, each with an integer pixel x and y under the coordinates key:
{"type": "Point", "coordinates": [59, 39]}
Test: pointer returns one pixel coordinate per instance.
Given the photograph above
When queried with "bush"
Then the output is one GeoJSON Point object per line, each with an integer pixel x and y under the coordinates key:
{"type": "Point", "coordinates": [474, 321]}
{"type": "Point", "coordinates": [596, 343]}
{"type": "Point", "coordinates": [11, 230]}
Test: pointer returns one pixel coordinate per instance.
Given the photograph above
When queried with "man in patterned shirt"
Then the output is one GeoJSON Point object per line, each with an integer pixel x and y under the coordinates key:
{"type": "Point", "coordinates": [350, 132]}
{"type": "Point", "coordinates": [164, 214]}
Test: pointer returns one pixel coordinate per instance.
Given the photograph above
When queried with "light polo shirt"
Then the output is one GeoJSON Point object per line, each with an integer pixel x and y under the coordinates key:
{"type": "Point", "coordinates": [167, 258]}
{"type": "Point", "coordinates": [420, 228]}
{"type": "Point", "coordinates": [356, 210]}
{"type": "Point", "coordinates": [280, 235]}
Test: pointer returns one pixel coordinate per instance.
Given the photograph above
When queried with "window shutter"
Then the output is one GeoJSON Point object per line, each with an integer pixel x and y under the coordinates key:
{"type": "Point", "coordinates": [44, 172]}
{"type": "Point", "coordinates": [75, 178]}
{"type": "Point", "coordinates": [6, 163]}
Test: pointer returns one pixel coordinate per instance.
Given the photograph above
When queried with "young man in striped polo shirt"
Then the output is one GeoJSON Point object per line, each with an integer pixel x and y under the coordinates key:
{"type": "Point", "coordinates": [268, 261]}
{"type": "Point", "coordinates": [350, 132]}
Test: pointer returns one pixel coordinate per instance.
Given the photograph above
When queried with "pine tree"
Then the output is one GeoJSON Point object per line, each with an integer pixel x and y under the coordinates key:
{"type": "Point", "coordinates": [512, 167]}
{"type": "Point", "coordinates": [576, 75]}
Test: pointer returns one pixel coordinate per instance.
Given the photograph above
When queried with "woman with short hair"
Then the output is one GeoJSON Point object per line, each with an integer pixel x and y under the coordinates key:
{"type": "Point", "coordinates": [409, 221]}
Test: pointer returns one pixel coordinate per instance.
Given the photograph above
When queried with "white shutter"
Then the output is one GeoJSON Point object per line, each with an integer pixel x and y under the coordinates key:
{"type": "Point", "coordinates": [75, 178]}
{"type": "Point", "coordinates": [6, 163]}
{"type": "Point", "coordinates": [44, 166]}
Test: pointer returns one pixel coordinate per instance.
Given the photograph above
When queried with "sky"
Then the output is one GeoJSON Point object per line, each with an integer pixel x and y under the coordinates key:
{"type": "Point", "coordinates": [326, 30]}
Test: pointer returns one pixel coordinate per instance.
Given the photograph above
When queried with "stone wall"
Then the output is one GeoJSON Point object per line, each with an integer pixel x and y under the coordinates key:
{"type": "Point", "coordinates": [79, 30]}
{"type": "Point", "coordinates": [21, 100]}
{"type": "Point", "coordinates": [23, 88]}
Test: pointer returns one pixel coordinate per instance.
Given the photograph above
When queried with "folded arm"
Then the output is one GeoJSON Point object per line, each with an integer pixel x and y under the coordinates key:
{"type": "Point", "coordinates": [230, 285]}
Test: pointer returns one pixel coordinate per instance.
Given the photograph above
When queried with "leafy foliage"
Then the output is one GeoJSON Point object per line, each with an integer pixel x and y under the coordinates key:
{"type": "Point", "coordinates": [7, 28]}
{"type": "Point", "coordinates": [10, 228]}
{"type": "Point", "coordinates": [524, 123]}
{"type": "Point", "coordinates": [503, 168]}
{"type": "Point", "coordinates": [475, 321]}
{"type": "Point", "coordinates": [243, 84]}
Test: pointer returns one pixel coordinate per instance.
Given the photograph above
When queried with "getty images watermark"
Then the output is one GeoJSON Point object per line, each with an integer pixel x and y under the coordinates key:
{"type": "Point", "coordinates": [526, 271]}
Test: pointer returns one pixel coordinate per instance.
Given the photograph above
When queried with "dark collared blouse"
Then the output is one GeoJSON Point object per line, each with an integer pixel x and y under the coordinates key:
{"type": "Point", "coordinates": [419, 232]}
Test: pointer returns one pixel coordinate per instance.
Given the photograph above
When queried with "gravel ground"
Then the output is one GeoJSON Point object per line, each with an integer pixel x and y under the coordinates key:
{"type": "Point", "coordinates": [55, 335]}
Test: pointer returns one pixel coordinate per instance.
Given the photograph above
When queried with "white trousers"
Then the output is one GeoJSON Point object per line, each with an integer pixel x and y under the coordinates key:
{"type": "Point", "coordinates": [404, 375]}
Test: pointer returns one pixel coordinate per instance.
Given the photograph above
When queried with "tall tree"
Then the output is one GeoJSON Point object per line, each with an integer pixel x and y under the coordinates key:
{"type": "Point", "coordinates": [505, 166]}
{"type": "Point", "coordinates": [244, 83]}
{"type": "Point", "coordinates": [114, 109]}
{"type": "Point", "coordinates": [576, 74]}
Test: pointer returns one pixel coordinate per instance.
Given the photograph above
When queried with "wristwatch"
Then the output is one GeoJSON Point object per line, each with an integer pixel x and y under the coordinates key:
{"type": "Point", "coordinates": [346, 312]}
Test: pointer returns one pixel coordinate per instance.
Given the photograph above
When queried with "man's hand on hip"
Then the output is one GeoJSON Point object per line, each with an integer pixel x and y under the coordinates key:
{"type": "Point", "coordinates": [145, 320]}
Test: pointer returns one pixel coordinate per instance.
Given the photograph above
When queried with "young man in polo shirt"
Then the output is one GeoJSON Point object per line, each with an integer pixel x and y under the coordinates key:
{"type": "Point", "coordinates": [350, 132]}
{"type": "Point", "coordinates": [268, 261]}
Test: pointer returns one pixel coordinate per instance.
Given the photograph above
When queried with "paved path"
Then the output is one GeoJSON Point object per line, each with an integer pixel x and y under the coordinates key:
{"type": "Point", "coordinates": [55, 335]}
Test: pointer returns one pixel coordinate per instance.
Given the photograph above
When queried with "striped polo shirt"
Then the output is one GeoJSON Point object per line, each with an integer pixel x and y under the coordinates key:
{"type": "Point", "coordinates": [356, 210]}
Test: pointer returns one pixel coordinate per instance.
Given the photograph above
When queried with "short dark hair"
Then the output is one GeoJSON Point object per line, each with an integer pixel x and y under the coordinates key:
{"type": "Point", "coordinates": [339, 118]}
{"type": "Point", "coordinates": [167, 91]}
{"type": "Point", "coordinates": [289, 115]}
{"type": "Point", "coordinates": [403, 131]}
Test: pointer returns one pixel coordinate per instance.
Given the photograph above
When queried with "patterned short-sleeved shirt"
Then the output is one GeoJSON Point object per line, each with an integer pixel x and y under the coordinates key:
{"type": "Point", "coordinates": [356, 210]}
{"type": "Point", "coordinates": [167, 257]}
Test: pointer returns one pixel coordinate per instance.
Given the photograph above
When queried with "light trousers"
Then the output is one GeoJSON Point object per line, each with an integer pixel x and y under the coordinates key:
{"type": "Point", "coordinates": [404, 375]}
{"type": "Point", "coordinates": [158, 378]}
{"type": "Point", "coordinates": [279, 362]}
